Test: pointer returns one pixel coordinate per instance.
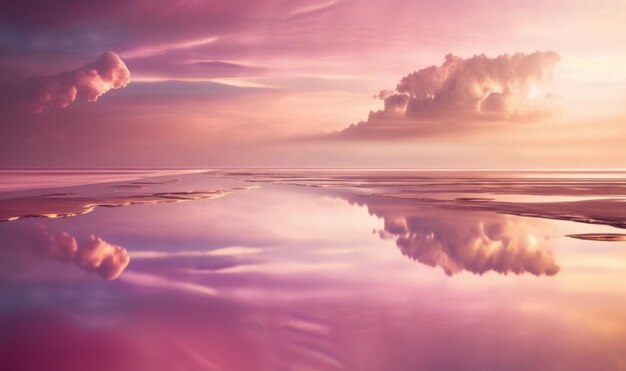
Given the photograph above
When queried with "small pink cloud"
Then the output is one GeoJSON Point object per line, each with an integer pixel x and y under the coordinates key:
{"type": "Point", "coordinates": [88, 82]}
{"type": "Point", "coordinates": [92, 254]}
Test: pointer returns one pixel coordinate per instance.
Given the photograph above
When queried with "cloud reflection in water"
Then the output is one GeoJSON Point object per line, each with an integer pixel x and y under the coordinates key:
{"type": "Point", "coordinates": [91, 254]}
{"type": "Point", "coordinates": [462, 241]}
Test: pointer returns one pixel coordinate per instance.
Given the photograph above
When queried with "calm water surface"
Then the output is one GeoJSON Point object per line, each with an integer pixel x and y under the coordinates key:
{"type": "Point", "coordinates": [318, 270]}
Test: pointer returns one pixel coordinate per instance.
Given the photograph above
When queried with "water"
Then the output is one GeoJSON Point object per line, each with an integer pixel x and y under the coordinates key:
{"type": "Point", "coordinates": [315, 270]}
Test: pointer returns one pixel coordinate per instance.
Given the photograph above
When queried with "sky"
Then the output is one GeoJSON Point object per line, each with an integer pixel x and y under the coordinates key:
{"type": "Point", "coordinates": [316, 83]}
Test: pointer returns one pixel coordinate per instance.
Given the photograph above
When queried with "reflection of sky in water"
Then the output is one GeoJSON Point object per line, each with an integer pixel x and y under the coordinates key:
{"type": "Point", "coordinates": [287, 277]}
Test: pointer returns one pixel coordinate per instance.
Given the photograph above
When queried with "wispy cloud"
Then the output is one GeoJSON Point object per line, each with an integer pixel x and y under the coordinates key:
{"type": "Point", "coordinates": [149, 280]}
{"type": "Point", "coordinates": [226, 251]}
{"type": "Point", "coordinates": [151, 50]}
{"type": "Point", "coordinates": [311, 9]}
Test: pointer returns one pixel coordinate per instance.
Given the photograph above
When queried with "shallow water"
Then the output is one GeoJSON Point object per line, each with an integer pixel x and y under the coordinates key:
{"type": "Point", "coordinates": [319, 270]}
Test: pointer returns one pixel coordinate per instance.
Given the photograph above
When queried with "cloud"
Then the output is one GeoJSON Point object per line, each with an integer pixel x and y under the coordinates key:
{"type": "Point", "coordinates": [461, 91]}
{"type": "Point", "coordinates": [149, 280]}
{"type": "Point", "coordinates": [177, 67]}
{"type": "Point", "coordinates": [477, 247]}
{"type": "Point", "coordinates": [92, 254]}
{"type": "Point", "coordinates": [463, 241]}
{"type": "Point", "coordinates": [161, 48]}
{"type": "Point", "coordinates": [89, 82]}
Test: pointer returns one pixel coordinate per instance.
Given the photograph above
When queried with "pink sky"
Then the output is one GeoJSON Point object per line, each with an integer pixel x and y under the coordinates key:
{"type": "Point", "coordinates": [276, 83]}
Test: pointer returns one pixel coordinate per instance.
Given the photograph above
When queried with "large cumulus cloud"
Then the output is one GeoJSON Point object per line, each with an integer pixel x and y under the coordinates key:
{"type": "Point", "coordinates": [478, 246]}
{"type": "Point", "coordinates": [463, 241]}
{"type": "Point", "coordinates": [446, 97]}
{"type": "Point", "coordinates": [89, 82]}
{"type": "Point", "coordinates": [92, 254]}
